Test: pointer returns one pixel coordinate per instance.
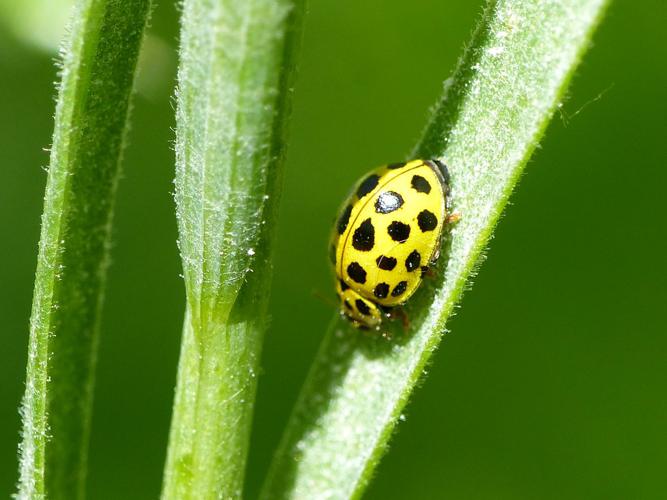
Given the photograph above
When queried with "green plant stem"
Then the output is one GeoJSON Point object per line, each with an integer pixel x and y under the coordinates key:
{"type": "Point", "coordinates": [234, 87]}
{"type": "Point", "coordinates": [494, 110]}
{"type": "Point", "coordinates": [98, 66]}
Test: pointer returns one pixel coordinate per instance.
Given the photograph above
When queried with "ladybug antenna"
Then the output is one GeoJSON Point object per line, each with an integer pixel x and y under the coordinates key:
{"type": "Point", "coordinates": [325, 299]}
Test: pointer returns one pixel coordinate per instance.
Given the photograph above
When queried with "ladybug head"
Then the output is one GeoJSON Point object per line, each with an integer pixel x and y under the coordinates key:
{"type": "Point", "coordinates": [363, 313]}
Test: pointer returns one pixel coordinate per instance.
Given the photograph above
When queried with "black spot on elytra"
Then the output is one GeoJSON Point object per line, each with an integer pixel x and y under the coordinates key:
{"type": "Point", "coordinates": [398, 231]}
{"type": "Point", "coordinates": [356, 272]}
{"type": "Point", "coordinates": [362, 307]}
{"type": "Point", "coordinates": [388, 201]}
{"type": "Point", "coordinates": [413, 261]}
{"type": "Point", "coordinates": [363, 238]}
{"type": "Point", "coordinates": [420, 184]}
{"type": "Point", "coordinates": [399, 289]}
{"type": "Point", "coordinates": [381, 290]}
{"type": "Point", "coordinates": [344, 219]}
{"type": "Point", "coordinates": [367, 185]}
{"type": "Point", "coordinates": [386, 263]}
{"type": "Point", "coordinates": [343, 285]}
{"type": "Point", "coordinates": [394, 166]}
{"type": "Point", "coordinates": [427, 221]}
{"type": "Point", "coordinates": [347, 305]}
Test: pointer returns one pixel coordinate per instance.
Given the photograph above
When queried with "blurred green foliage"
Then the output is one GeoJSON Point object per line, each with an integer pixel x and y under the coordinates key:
{"type": "Point", "coordinates": [551, 384]}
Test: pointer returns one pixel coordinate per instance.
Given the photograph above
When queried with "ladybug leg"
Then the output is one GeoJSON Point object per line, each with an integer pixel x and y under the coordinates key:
{"type": "Point", "coordinates": [449, 221]}
{"type": "Point", "coordinates": [452, 218]}
{"type": "Point", "coordinates": [399, 313]}
{"type": "Point", "coordinates": [427, 272]}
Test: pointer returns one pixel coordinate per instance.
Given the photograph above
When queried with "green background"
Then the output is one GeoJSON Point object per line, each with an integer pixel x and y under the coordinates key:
{"type": "Point", "coordinates": [552, 381]}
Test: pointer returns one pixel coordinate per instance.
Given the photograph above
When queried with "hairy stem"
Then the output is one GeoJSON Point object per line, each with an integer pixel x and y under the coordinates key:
{"type": "Point", "coordinates": [234, 86]}
{"type": "Point", "coordinates": [98, 66]}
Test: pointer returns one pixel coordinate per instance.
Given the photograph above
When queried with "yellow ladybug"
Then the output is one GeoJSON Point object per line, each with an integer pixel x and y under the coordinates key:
{"type": "Point", "coordinates": [388, 233]}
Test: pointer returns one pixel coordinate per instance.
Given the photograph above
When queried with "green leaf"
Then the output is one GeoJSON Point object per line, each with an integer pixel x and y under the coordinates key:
{"type": "Point", "coordinates": [98, 66]}
{"type": "Point", "coordinates": [234, 87]}
{"type": "Point", "coordinates": [494, 110]}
